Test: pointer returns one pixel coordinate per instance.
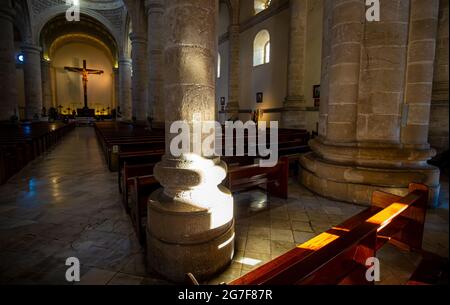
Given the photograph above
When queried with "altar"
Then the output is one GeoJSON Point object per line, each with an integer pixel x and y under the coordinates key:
{"type": "Point", "coordinates": [86, 112]}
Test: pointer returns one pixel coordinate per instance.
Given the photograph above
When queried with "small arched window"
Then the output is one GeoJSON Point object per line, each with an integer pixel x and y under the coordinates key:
{"type": "Point", "coordinates": [261, 48]}
{"type": "Point", "coordinates": [261, 5]}
{"type": "Point", "coordinates": [219, 63]}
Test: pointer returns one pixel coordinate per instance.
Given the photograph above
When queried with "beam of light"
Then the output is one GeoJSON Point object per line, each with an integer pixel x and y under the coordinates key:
{"type": "Point", "coordinates": [385, 217]}
{"type": "Point", "coordinates": [249, 261]}
{"type": "Point", "coordinates": [319, 241]}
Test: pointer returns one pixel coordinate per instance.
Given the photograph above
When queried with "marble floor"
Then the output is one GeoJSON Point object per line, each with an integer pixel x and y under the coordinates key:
{"type": "Point", "coordinates": [66, 204]}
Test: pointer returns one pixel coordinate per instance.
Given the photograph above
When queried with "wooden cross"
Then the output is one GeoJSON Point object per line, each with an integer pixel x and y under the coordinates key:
{"type": "Point", "coordinates": [84, 72]}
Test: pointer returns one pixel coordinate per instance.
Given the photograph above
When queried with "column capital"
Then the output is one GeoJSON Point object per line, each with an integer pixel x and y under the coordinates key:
{"type": "Point", "coordinates": [124, 61]}
{"type": "Point", "coordinates": [138, 38]}
{"type": "Point", "coordinates": [31, 48]}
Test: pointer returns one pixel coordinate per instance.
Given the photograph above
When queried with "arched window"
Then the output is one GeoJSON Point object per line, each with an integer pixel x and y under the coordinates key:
{"type": "Point", "coordinates": [219, 62]}
{"type": "Point", "coordinates": [261, 5]}
{"type": "Point", "coordinates": [261, 48]}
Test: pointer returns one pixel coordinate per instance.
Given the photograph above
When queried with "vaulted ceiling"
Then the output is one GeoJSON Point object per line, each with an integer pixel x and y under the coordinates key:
{"type": "Point", "coordinates": [42, 21]}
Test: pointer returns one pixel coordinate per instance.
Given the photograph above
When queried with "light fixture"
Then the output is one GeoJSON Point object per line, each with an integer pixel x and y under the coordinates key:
{"type": "Point", "coordinates": [20, 58]}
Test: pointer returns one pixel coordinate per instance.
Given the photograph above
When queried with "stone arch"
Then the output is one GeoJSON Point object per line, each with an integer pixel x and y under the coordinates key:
{"type": "Point", "coordinates": [49, 14]}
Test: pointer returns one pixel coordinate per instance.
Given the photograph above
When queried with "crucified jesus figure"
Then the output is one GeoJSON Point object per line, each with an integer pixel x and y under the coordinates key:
{"type": "Point", "coordinates": [84, 73]}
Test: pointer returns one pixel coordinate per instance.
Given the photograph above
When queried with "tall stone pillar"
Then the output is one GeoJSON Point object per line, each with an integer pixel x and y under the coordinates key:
{"type": "Point", "coordinates": [8, 88]}
{"type": "Point", "coordinates": [116, 92]}
{"type": "Point", "coordinates": [190, 224]}
{"type": "Point", "coordinates": [32, 81]}
{"type": "Point", "coordinates": [373, 133]}
{"type": "Point", "coordinates": [125, 101]}
{"type": "Point", "coordinates": [47, 92]}
{"type": "Point", "coordinates": [155, 10]}
{"type": "Point", "coordinates": [232, 106]}
{"type": "Point", "coordinates": [140, 76]}
{"type": "Point", "coordinates": [292, 115]}
{"type": "Point", "coordinates": [440, 103]}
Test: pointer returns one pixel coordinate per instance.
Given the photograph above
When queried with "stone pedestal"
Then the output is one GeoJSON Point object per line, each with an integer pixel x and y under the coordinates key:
{"type": "Point", "coordinates": [155, 11]}
{"type": "Point", "coordinates": [33, 81]}
{"type": "Point", "coordinates": [125, 102]}
{"type": "Point", "coordinates": [140, 76]}
{"type": "Point", "coordinates": [8, 104]}
{"type": "Point", "coordinates": [190, 224]}
{"type": "Point", "coordinates": [374, 113]}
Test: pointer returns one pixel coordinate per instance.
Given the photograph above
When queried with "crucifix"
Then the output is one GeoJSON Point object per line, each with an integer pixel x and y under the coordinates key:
{"type": "Point", "coordinates": [84, 73]}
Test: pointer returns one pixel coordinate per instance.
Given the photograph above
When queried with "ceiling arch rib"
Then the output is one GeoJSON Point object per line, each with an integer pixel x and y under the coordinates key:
{"type": "Point", "coordinates": [87, 30]}
{"type": "Point", "coordinates": [44, 16]}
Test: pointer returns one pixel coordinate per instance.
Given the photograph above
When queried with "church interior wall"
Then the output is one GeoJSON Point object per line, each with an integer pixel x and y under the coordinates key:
{"type": "Point", "coordinates": [271, 78]}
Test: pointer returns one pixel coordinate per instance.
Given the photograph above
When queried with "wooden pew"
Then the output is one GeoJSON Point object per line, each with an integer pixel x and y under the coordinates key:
{"type": "Point", "coordinates": [273, 179]}
{"type": "Point", "coordinates": [135, 159]}
{"type": "Point", "coordinates": [338, 256]}
{"type": "Point", "coordinates": [432, 270]}
{"type": "Point", "coordinates": [117, 138]}
{"type": "Point", "coordinates": [143, 187]}
{"type": "Point", "coordinates": [21, 144]}
{"type": "Point", "coordinates": [127, 181]}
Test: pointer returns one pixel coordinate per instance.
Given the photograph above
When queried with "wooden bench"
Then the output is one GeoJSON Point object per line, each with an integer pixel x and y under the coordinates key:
{"type": "Point", "coordinates": [20, 144]}
{"type": "Point", "coordinates": [142, 188]}
{"type": "Point", "coordinates": [273, 179]}
{"type": "Point", "coordinates": [127, 179]}
{"type": "Point", "coordinates": [135, 159]}
{"type": "Point", "coordinates": [338, 256]}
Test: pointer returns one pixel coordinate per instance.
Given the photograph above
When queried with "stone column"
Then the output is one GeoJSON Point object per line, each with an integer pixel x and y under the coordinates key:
{"type": "Point", "coordinates": [373, 133]}
{"type": "Point", "coordinates": [33, 81]}
{"type": "Point", "coordinates": [292, 115]}
{"type": "Point", "coordinates": [140, 76]}
{"type": "Point", "coordinates": [116, 91]}
{"type": "Point", "coordinates": [155, 10]}
{"type": "Point", "coordinates": [47, 92]}
{"type": "Point", "coordinates": [8, 88]}
{"type": "Point", "coordinates": [190, 224]}
{"type": "Point", "coordinates": [440, 103]}
{"type": "Point", "coordinates": [125, 101]}
{"type": "Point", "coordinates": [325, 68]}
{"type": "Point", "coordinates": [232, 106]}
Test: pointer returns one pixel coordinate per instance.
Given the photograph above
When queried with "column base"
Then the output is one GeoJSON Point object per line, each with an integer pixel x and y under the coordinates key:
{"type": "Point", "coordinates": [355, 184]}
{"type": "Point", "coordinates": [293, 119]}
{"type": "Point", "coordinates": [184, 239]}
